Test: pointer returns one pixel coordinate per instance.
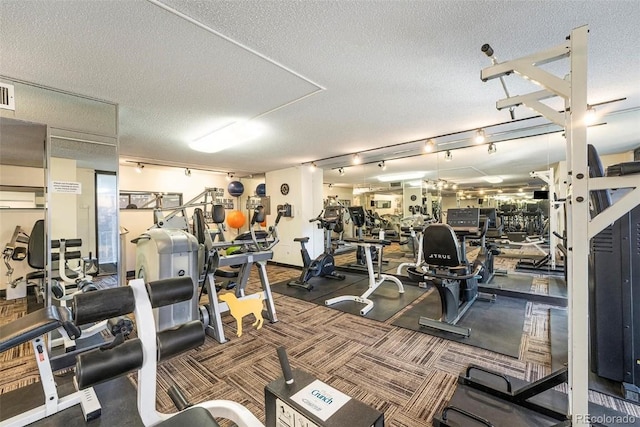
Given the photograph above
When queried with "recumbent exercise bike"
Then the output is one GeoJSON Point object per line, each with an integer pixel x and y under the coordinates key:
{"type": "Point", "coordinates": [324, 264]}
{"type": "Point", "coordinates": [446, 266]}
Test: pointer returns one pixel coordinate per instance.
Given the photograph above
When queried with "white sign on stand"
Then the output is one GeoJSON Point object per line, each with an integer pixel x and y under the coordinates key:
{"type": "Point", "coordinates": [320, 399]}
{"type": "Point", "coordinates": [68, 187]}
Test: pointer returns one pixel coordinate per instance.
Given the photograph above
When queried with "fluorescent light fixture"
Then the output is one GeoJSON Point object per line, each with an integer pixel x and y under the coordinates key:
{"type": "Point", "coordinates": [227, 137]}
{"type": "Point", "coordinates": [480, 136]}
{"type": "Point", "coordinates": [493, 179]}
{"type": "Point", "coordinates": [400, 176]}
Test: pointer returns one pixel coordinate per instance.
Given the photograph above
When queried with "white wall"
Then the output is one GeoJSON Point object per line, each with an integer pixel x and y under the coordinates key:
{"type": "Point", "coordinates": [407, 192]}
{"type": "Point", "coordinates": [305, 195]}
{"type": "Point", "coordinates": [63, 207]}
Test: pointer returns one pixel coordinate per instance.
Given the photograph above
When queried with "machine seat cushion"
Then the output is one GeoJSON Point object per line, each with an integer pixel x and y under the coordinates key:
{"type": "Point", "coordinates": [31, 326]}
{"type": "Point", "coordinates": [440, 246]}
{"type": "Point", "coordinates": [301, 239]}
{"type": "Point", "coordinates": [246, 236]}
{"type": "Point", "coordinates": [194, 416]}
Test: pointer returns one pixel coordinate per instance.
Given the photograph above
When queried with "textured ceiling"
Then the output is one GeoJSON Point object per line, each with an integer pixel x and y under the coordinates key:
{"type": "Point", "coordinates": [324, 77]}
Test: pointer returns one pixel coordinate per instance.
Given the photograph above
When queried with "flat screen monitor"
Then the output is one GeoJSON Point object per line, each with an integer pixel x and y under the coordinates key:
{"type": "Point", "coordinates": [464, 219]}
{"type": "Point", "coordinates": [541, 195]}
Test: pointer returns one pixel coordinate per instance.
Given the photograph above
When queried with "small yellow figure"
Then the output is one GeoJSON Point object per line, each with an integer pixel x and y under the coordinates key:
{"type": "Point", "coordinates": [243, 307]}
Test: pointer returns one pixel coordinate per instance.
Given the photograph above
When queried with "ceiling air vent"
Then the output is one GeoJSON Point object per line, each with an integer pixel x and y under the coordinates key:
{"type": "Point", "coordinates": [7, 101]}
{"type": "Point", "coordinates": [395, 184]}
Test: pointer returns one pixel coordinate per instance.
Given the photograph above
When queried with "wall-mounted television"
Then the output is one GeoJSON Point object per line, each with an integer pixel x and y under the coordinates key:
{"type": "Point", "coordinates": [541, 195]}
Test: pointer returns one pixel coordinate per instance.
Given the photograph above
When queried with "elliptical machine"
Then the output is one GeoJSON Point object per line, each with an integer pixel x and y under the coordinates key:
{"type": "Point", "coordinates": [323, 265]}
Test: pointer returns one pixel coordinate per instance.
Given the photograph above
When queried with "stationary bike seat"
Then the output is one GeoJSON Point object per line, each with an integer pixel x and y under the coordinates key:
{"type": "Point", "coordinates": [301, 239]}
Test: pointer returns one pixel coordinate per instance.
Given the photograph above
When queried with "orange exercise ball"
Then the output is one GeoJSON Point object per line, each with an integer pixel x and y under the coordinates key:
{"type": "Point", "coordinates": [235, 219]}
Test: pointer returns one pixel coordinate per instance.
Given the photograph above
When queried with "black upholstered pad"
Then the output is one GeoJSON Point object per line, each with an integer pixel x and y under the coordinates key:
{"type": "Point", "coordinates": [29, 327]}
{"type": "Point", "coordinates": [195, 416]}
{"type": "Point", "coordinates": [440, 246]}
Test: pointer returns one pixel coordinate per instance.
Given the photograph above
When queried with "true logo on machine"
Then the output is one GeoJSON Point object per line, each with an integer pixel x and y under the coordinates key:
{"type": "Point", "coordinates": [440, 256]}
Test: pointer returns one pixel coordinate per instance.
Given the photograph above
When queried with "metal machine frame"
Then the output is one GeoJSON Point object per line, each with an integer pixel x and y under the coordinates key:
{"type": "Point", "coordinates": [573, 90]}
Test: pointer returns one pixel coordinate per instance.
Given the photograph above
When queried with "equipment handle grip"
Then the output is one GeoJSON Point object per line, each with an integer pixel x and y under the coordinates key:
{"type": "Point", "coordinates": [284, 364]}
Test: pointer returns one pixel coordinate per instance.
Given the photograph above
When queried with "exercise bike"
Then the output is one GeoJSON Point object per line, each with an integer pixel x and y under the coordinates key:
{"type": "Point", "coordinates": [323, 265]}
{"type": "Point", "coordinates": [447, 268]}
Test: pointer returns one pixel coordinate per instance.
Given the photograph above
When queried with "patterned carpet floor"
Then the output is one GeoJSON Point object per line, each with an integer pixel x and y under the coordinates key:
{"type": "Point", "coordinates": [408, 375]}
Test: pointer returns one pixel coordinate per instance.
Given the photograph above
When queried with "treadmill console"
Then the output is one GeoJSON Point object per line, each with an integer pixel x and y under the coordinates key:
{"type": "Point", "coordinates": [332, 213]}
{"type": "Point", "coordinates": [464, 220]}
{"type": "Point", "coordinates": [357, 215]}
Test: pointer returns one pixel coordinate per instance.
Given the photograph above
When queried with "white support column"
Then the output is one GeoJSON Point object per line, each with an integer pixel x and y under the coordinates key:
{"type": "Point", "coordinates": [548, 178]}
{"type": "Point", "coordinates": [577, 245]}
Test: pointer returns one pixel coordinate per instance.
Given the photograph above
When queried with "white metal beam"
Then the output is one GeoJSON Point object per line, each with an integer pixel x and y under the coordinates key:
{"type": "Point", "coordinates": [578, 245]}
{"type": "Point", "coordinates": [615, 211]}
{"type": "Point", "coordinates": [539, 58]}
{"type": "Point", "coordinates": [532, 101]}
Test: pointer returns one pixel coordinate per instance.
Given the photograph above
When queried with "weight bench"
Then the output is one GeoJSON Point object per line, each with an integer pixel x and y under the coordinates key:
{"type": "Point", "coordinates": [375, 278]}
{"type": "Point", "coordinates": [33, 327]}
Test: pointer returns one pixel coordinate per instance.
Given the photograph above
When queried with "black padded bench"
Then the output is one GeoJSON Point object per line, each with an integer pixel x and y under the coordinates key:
{"type": "Point", "coordinates": [36, 324]}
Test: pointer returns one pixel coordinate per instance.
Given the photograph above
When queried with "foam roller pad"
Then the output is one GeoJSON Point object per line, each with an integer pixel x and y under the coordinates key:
{"type": "Point", "coordinates": [96, 366]}
{"type": "Point", "coordinates": [170, 291]}
{"type": "Point", "coordinates": [103, 304]}
{"type": "Point", "coordinates": [182, 338]}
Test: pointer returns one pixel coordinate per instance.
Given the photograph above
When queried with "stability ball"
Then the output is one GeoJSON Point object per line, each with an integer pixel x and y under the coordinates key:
{"type": "Point", "coordinates": [235, 188]}
{"type": "Point", "coordinates": [235, 219]}
{"type": "Point", "coordinates": [261, 190]}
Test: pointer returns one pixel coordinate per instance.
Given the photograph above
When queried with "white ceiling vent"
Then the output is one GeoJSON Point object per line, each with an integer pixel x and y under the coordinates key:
{"type": "Point", "coordinates": [7, 100]}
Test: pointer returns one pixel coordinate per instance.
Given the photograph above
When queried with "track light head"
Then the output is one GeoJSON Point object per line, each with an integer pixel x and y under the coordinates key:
{"type": "Point", "coordinates": [429, 146]}
{"type": "Point", "coordinates": [480, 136]}
{"type": "Point", "coordinates": [229, 176]}
{"type": "Point", "coordinates": [187, 172]}
{"type": "Point", "coordinates": [341, 171]}
{"type": "Point", "coordinates": [492, 148]}
{"type": "Point", "coordinates": [448, 156]}
{"type": "Point", "coordinates": [139, 167]}
{"type": "Point", "coordinates": [356, 159]}
{"type": "Point", "coordinates": [382, 165]}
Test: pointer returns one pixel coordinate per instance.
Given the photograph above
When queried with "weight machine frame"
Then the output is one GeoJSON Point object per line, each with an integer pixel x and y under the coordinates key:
{"type": "Point", "coordinates": [573, 90]}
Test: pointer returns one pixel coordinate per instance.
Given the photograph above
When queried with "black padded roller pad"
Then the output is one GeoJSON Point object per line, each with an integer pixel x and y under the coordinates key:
{"type": "Point", "coordinates": [96, 366]}
{"type": "Point", "coordinates": [182, 338]}
{"type": "Point", "coordinates": [69, 243]}
{"type": "Point", "coordinates": [170, 291]}
{"type": "Point", "coordinates": [102, 304]}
